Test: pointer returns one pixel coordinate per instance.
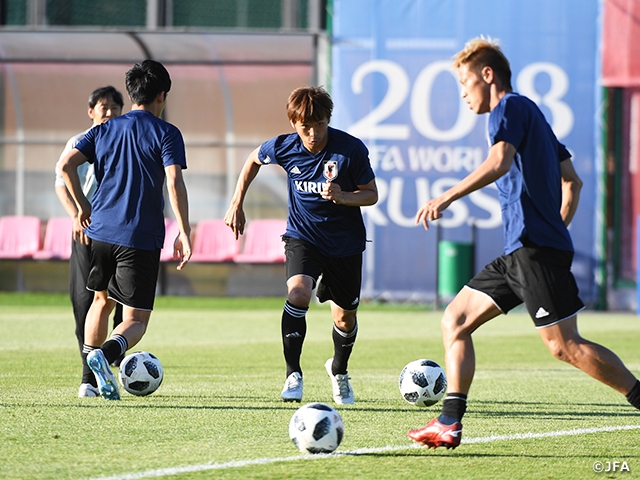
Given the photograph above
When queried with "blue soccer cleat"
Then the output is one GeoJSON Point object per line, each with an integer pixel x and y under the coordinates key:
{"type": "Point", "coordinates": [107, 383]}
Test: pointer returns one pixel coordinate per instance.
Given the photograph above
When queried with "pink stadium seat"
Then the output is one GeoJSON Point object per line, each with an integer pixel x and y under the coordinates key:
{"type": "Point", "coordinates": [19, 237]}
{"type": "Point", "coordinates": [214, 242]}
{"type": "Point", "coordinates": [263, 242]}
{"type": "Point", "coordinates": [57, 240]}
{"type": "Point", "coordinates": [171, 231]}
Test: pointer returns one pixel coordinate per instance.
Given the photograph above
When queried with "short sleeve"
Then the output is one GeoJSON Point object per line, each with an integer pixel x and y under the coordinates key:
{"type": "Point", "coordinates": [563, 153]}
{"type": "Point", "coordinates": [173, 151]}
{"type": "Point", "coordinates": [88, 144]}
{"type": "Point", "coordinates": [362, 172]}
{"type": "Point", "coordinates": [507, 123]}
{"type": "Point", "coordinates": [267, 152]}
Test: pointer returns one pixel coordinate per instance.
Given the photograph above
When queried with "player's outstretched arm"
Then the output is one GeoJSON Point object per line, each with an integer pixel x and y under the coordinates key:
{"type": "Point", "coordinates": [571, 186]}
{"type": "Point", "coordinates": [180, 205]}
{"type": "Point", "coordinates": [497, 163]}
{"type": "Point", "coordinates": [234, 217]}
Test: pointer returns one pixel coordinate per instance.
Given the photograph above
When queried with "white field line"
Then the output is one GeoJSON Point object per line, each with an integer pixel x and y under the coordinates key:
{"type": "Point", "coordinates": [165, 472]}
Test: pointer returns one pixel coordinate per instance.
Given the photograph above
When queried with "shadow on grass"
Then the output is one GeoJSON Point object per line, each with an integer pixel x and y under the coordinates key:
{"type": "Point", "coordinates": [535, 409]}
{"type": "Point", "coordinates": [100, 404]}
{"type": "Point", "coordinates": [250, 403]}
{"type": "Point", "coordinates": [422, 452]}
{"type": "Point", "coordinates": [477, 409]}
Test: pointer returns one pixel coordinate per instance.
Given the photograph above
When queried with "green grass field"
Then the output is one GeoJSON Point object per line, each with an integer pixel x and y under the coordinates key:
{"type": "Point", "coordinates": [218, 413]}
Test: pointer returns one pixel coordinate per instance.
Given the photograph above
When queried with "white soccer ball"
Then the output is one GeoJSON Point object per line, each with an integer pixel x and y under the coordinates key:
{"type": "Point", "coordinates": [422, 383]}
{"type": "Point", "coordinates": [140, 373]}
{"type": "Point", "coordinates": [316, 428]}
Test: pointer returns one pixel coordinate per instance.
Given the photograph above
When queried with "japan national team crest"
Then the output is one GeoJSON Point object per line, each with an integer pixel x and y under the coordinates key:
{"type": "Point", "coordinates": [330, 170]}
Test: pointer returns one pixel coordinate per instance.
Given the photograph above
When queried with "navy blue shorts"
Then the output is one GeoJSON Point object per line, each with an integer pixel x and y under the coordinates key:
{"type": "Point", "coordinates": [128, 274]}
{"type": "Point", "coordinates": [341, 277]}
{"type": "Point", "coordinates": [539, 277]}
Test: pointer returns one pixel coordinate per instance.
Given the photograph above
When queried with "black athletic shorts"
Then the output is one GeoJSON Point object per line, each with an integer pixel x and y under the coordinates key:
{"type": "Point", "coordinates": [341, 277]}
{"type": "Point", "coordinates": [538, 276]}
{"type": "Point", "coordinates": [128, 274]}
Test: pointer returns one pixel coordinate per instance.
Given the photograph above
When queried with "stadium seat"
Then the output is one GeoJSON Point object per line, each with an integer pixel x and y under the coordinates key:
{"type": "Point", "coordinates": [214, 242]}
{"type": "Point", "coordinates": [171, 231]}
{"type": "Point", "coordinates": [19, 237]}
{"type": "Point", "coordinates": [57, 240]}
{"type": "Point", "coordinates": [263, 242]}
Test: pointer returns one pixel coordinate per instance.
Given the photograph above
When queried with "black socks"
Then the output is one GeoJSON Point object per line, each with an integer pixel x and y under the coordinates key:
{"type": "Point", "coordinates": [633, 397]}
{"type": "Point", "coordinates": [453, 407]}
{"type": "Point", "coordinates": [294, 329]}
{"type": "Point", "coordinates": [342, 348]}
{"type": "Point", "coordinates": [114, 347]}
{"type": "Point", "coordinates": [87, 374]}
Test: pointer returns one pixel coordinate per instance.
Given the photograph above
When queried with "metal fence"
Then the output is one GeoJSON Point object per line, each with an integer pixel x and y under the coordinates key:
{"type": "Point", "coordinates": [228, 95]}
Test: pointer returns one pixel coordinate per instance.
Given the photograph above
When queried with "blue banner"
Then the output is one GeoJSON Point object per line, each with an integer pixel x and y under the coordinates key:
{"type": "Point", "coordinates": [393, 87]}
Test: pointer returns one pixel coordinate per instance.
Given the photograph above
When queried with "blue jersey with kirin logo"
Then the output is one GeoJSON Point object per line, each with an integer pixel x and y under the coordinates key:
{"type": "Point", "coordinates": [336, 230]}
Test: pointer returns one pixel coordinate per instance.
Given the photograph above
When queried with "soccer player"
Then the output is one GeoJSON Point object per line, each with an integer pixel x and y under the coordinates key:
{"type": "Point", "coordinates": [539, 191]}
{"type": "Point", "coordinates": [330, 178]}
{"type": "Point", "coordinates": [104, 103]}
{"type": "Point", "coordinates": [132, 156]}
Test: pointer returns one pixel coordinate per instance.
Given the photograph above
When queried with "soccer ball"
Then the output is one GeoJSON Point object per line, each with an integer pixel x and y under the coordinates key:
{"type": "Point", "coordinates": [422, 383]}
{"type": "Point", "coordinates": [316, 428]}
{"type": "Point", "coordinates": [140, 373]}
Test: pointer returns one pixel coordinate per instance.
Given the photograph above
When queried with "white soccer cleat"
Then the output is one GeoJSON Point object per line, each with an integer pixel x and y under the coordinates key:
{"type": "Point", "coordinates": [342, 391]}
{"type": "Point", "coordinates": [88, 390]}
{"type": "Point", "coordinates": [292, 391]}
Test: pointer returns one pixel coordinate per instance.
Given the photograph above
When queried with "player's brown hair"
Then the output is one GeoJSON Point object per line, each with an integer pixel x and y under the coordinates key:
{"type": "Point", "coordinates": [479, 53]}
{"type": "Point", "coordinates": [309, 104]}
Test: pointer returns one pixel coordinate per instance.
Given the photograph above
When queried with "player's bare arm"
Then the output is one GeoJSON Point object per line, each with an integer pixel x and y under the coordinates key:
{"type": "Point", "coordinates": [235, 218]}
{"type": "Point", "coordinates": [72, 210]}
{"type": "Point", "coordinates": [180, 206]}
{"type": "Point", "coordinates": [571, 186]}
{"type": "Point", "coordinates": [497, 164]}
{"type": "Point", "coordinates": [364, 196]}
{"type": "Point", "coordinates": [69, 168]}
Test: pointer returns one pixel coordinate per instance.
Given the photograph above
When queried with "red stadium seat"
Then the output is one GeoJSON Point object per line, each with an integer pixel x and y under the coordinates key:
{"type": "Point", "coordinates": [214, 242]}
{"type": "Point", "coordinates": [57, 240]}
{"type": "Point", "coordinates": [19, 237]}
{"type": "Point", "coordinates": [263, 242]}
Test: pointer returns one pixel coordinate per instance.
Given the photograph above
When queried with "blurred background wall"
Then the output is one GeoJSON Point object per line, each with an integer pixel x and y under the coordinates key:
{"type": "Point", "coordinates": [386, 64]}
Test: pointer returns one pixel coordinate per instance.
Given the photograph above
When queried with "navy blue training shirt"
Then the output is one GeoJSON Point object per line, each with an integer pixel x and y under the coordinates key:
{"type": "Point", "coordinates": [530, 193]}
{"type": "Point", "coordinates": [129, 154]}
{"type": "Point", "coordinates": [336, 230]}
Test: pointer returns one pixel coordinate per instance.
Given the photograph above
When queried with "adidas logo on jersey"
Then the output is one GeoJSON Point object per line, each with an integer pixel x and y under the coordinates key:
{"type": "Point", "coordinates": [267, 159]}
{"type": "Point", "coordinates": [542, 313]}
{"type": "Point", "coordinates": [295, 170]}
